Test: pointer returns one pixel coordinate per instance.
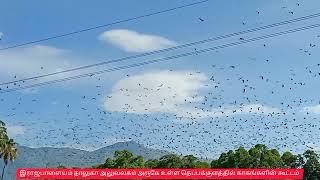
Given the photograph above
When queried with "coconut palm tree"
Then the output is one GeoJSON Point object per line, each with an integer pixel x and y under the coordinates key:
{"type": "Point", "coordinates": [8, 152]}
{"type": "Point", "coordinates": [3, 137]}
{"type": "Point", "coordinates": [3, 130]}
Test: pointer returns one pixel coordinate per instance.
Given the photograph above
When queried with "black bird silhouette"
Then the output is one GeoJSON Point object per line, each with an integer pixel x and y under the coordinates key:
{"type": "Point", "coordinates": [201, 19]}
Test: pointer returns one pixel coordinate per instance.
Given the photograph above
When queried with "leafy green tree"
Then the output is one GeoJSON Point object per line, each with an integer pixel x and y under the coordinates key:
{"type": "Point", "coordinates": [242, 158]}
{"type": "Point", "coordinates": [226, 160]}
{"type": "Point", "coordinates": [3, 130]}
{"type": "Point", "coordinates": [8, 149]}
{"type": "Point", "coordinates": [109, 163]}
{"type": "Point", "coordinates": [3, 135]}
{"type": "Point", "coordinates": [214, 164]}
{"type": "Point", "coordinates": [170, 161]}
{"type": "Point", "coordinates": [8, 152]}
{"type": "Point", "coordinates": [222, 161]}
{"type": "Point", "coordinates": [151, 163]}
{"type": "Point", "coordinates": [299, 161]}
{"type": "Point", "coordinates": [122, 159]}
{"type": "Point", "coordinates": [256, 154]}
{"type": "Point", "coordinates": [136, 162]}
{"type": "Point", "coordinates": [312, 165]}
{"type": "Point", "coordinates": [201, 164]}
{"type": "Point", "coordinates": [271, 159]}
{"type": "Point", "coordinates": [189, 161]}
{"type": "Point", "coordinates": [289, 160]}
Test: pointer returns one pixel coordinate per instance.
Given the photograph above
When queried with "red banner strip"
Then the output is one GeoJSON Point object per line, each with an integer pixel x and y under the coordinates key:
{"type": "Point", "coordinates": [31, 173]}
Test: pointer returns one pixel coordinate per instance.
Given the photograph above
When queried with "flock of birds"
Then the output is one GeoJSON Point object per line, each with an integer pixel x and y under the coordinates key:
{"type": "Point", "coordinates": [85, 123]}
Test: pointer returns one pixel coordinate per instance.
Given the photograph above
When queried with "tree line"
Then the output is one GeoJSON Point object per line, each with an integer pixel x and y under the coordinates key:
{"type": "Point", "coordinates": [259, 156]}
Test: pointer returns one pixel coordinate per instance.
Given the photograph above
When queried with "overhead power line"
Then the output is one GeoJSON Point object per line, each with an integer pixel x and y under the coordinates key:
{"type": "Point", "coordinates": [244, 41]}
{"type": "Point", "coordinates": [303, 18]}
{"type": "Point", "coordinates": [102, 26]}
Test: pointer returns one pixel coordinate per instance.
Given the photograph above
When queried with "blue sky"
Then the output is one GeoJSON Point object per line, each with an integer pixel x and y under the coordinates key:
{"type": "Point", "coordinates": [173, 105]}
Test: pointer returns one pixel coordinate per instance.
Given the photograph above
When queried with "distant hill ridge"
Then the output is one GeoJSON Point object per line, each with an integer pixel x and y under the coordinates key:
{"type": "Point", "coordinates": [53, 157]}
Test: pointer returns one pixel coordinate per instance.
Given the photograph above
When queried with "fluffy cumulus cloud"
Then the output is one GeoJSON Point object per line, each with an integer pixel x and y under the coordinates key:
{"type": "Point", "coordinates": [36, 60]}
{"type": "Point", "coordinates": [161, 91]}
{"type": "Point", "coordinates": [312, 109]}
{"type": "Point", "coordinates": [132, 41]}
{"type": "Point", "coordinates": [15, 130]}
{"type": "Point", "coordinates": [33, 60]}
{"type": "Point", "coordinates": [170, 92]}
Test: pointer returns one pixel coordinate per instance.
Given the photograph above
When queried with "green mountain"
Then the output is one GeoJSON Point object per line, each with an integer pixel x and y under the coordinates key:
{"type": "Point", "coordinates": [53, 157]}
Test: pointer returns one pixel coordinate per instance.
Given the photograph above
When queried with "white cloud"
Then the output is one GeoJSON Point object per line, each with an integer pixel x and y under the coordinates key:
{"type": "Point", "coordinates": [170, 92]}
{"type": "Point", "coordinates": [227, 111]}
{"type": "Point", "coordinates": [132, 41]}
{"type": "Point", "coordinates": [36, 60]}
{"type": "Point", "coordinates": [32, 60]}
{"type": "Point", "coordinates": [15, 130]}
{"type": "Point", "coordinates": [312, 109]}
{"type": "Point", "coordinates": [158, 91]}
{"type": "Point", "coordinates": [1, 35]}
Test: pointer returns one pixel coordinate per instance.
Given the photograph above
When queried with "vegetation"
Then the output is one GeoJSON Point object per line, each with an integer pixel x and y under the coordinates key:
{"type": "Point", "coordinates": [8, 149]}
{"type": "Point", "coordinates": [259, 156]}
{"type": "Point", "coordinates": [125, 159]}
